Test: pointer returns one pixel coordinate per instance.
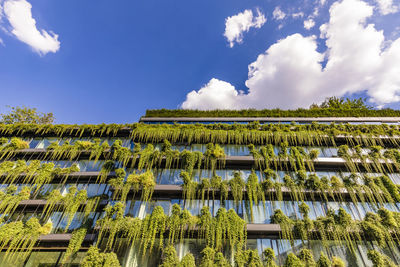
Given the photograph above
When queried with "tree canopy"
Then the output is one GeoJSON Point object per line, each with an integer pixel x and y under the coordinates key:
{"type": "Point", "coordinates": [342, 103]}
{"type": "Point", "coordinates": [26, 115]}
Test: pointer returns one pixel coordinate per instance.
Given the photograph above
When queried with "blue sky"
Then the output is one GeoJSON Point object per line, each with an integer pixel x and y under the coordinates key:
{"type": "Point", "coordinates": [112, 60]}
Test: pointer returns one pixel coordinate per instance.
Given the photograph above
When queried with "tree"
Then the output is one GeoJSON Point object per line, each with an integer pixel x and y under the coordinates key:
{"type": "Point", "coordinates": [342, 103]}
{"type": "Point", "coordinates": [26, 115]}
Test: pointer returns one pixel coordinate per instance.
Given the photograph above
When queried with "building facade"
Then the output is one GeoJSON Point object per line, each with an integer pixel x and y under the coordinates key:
{"type": "Point", "coordinates": [202, 192]}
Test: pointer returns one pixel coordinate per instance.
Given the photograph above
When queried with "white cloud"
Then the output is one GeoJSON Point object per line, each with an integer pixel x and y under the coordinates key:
{"type": "Point", "coordinates": [309, 23]}
{"type": "Point", "coordinates": [242, 22]}
{"type": "Point", "coordinates": [387, 7]}
{"type": "Point", "coordinates": [290, 73]}
{"type": "Point", "coordinates": [278, 14]}
{"type": "Point", "coordinates": [216, 93]}
{"type": "Point", "coordinates": [19, 15]}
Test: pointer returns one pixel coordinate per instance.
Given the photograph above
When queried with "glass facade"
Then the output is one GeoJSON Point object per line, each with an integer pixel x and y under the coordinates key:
{"type": "Point", "coordinates": [72, 188]}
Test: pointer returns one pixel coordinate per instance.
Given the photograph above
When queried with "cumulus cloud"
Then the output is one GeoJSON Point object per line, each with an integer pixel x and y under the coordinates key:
{"type": "Point", "coordinates": [387, 7]}
{"type": "Point", "coordinates": [236, 25]}
{"type": "Point", "coordinates": [278, 14]}
{"type": "Point", "coordinates": [291, 72]}
{"type": "Point", "coordinates": [19, 15]}
{"type": "Point", "coordinates": [210, 96]}
{"type": "Point", "coordinates": [309, 23]}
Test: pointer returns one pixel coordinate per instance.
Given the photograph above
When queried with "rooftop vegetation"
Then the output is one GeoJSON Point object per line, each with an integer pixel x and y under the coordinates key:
{"type": "Point", "coordinates": [331, 107]}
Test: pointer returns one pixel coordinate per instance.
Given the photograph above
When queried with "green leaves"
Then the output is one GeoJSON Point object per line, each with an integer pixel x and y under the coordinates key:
{"type": "Point", "coordinates": [74, 243]}
{"type": "Point", "coordinates": [26, 115]}
{"type": "Point", "coordinates": [18, 238]}
{"type": "Point", "coordinates": [94, 258]}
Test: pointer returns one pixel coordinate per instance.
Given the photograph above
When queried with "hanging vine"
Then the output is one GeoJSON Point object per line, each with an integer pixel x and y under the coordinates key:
{"type": "Point", "coordinates": [17, 238]}
{"type": "Point", "coordinates": [75, 244]}
{"type": "Point", "coordinates": [238, 186]}
{"type": "Point", "coordinates": [95, 258]}
{"type": "Point", "coordinates": [33, 173]}
{"type": "Point", "coordinates": [254, 192]}
{"type": "Point", "coordinates": [69, 204]}
{"type": "Point", "coordinates": [10, 199]}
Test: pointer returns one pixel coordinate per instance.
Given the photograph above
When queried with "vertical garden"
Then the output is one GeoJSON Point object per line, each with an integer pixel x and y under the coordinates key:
{"type": "Point", "coordinates": [200, 194]}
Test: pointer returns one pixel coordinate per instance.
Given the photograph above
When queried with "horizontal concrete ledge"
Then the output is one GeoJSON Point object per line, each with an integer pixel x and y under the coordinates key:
{"type": "Point", "coordinates": [64, 238]}
{"type": "Point", "coordinates": [59, 242]}
{"type": "Point", "coordinates": [254, 231]}
{"type": "Point", "coordinates": [176, 191]}
{"type": "Point", "coordinates": [383, 140]}
{"type": "Point", "coordinates": [271, 119]}
{"type": "Point", "coordinates": [87, 177]}
{"type": "Point", "coordinates": [35, 204]}
{"type": "Point", "coordinates": [231, 162]}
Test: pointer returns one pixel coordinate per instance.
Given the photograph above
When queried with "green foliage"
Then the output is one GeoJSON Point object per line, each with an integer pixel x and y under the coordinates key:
{"type": "Point", "coordinates": [25, 115]}
{"type": "Point", "coordinates": [75, 243]}
{"type": "Point", "coordinates": [237, 185]}
{"type": "Point", "coordinates": [221, 261]}
{"type": "Point", "coordinates": [226, 228]}
{"type": "Point", "coordinates": [269, 257]}
{"type": "Point", "coordinates": [306, 256]}
{"type": "Point", "coordinates": [331, 107]}
{"type": "Point", "coordinates": [342, 104]}
{"type": "Point", "coordinates": [214, 154]}
{"type": "Point", "coordinates": [107, 167]}
{"type": "Point", "coordinates": [254, 192]}
{"type": "Point", "coordinates": [208, 256]}
{"type": "Point", "coordinates": [313, 154]}
{"type": "Point", "coordinates": [275, 134]}
{"type": "Point", "coordinates": [323, 261]}
{"type": "Point", "coordinates": [69, 204]}
{"type": "Point", "coordinates": [189, 186]}
{"type": "Point", "coordinates": [381, 227]}
{"type": "Point", "coordinates": [205, 186]}
{"type": "Point", "coordinates": [152, 226]}
{"type": "Point", "coordinates": [169, 257]}
{"type": "Point", "coordinates": [179, 222]}
{"type": "Point", "coordinates": [143, 182]}
{"type": "Point", "coordinates": [33, 173]}
{"type": "Point", "coordinates": [187, 261]}
{"type": "Point", "coordinates": [247, 258]}
{"type": "Point", "coordinates": [10, 199]}
{"type": "Point", "coordinates": [293, 261]}
{"type": "Point", "coordinates": [114, 223]}
{"type": "Point", "coordinates": [285, 223]}
{"type": "Point", "coordinates": [337, 262]}
{"type": "Point", "coordinates": [18, 238]}
{"type": "Point", "coordinates": [8, 148]}
{"type": "Point", "coordinates": [211, 258]}
{"type": "Point", "coordinates": [190, 160]}
{"type": "Point", "coordinates": [94, 258]}
{"type": "Point", "coordinates": [288, 157]}
{"type": "Point", "coordinates": [379, 260]}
